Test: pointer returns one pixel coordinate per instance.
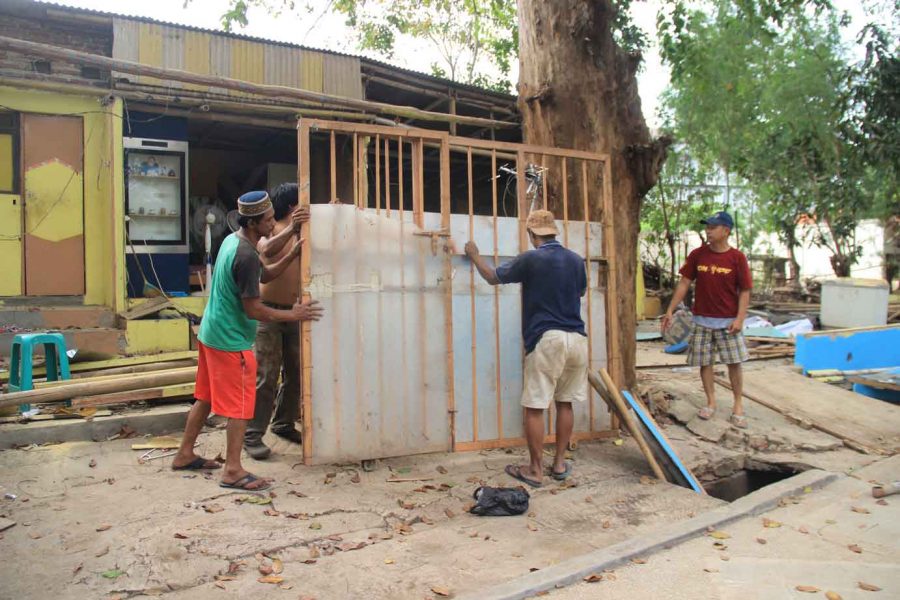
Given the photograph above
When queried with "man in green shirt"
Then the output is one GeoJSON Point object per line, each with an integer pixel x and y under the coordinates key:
{"type": "Point", "coordinates": [226, 371]}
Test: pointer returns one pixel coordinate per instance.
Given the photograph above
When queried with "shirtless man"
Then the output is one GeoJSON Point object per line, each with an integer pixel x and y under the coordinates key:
{"type": "Point", "coordinates": [278, 343]}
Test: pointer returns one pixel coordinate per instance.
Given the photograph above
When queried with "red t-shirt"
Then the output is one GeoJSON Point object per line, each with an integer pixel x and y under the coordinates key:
{"type": "Point", "coordinates": [720, 277]}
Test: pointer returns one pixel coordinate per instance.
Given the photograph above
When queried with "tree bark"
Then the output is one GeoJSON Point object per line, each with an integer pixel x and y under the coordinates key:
{"type": "Point", "coordinates": [578, 89]}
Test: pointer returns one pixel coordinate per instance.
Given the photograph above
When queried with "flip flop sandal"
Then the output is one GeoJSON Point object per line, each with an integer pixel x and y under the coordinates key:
{"type": "Point", "coordinates": [198, 464]}
{"type": "Point", "coordinates": [562, 476]}
{"type": "Point", "coordinates": [739, 421]}
{"type": "Point", "coordinates": [243, 482]}
{"type": "Point", "coordinates": [706, 413]}
{"type": "Point", "coordinates": [515, 471]}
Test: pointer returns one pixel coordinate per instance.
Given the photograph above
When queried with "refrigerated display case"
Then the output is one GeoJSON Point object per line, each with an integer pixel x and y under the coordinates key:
{"type": "Point", "coordinates": [156, 194]}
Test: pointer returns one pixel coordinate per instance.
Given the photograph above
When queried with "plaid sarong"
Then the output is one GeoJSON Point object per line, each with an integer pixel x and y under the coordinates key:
{"type": "Point", "coordinates": [706, 343]}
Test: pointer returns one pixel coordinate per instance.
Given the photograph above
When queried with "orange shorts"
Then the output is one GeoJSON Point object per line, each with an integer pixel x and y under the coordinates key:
{"type": "Point", "coordinates": [227, 380]}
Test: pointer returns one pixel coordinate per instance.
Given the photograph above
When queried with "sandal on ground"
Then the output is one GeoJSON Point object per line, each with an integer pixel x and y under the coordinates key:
{"type": "Point", "coordinates": [562, 475]}
{"type": "Point", "coordinates": [243, 482]}
{"type": "Point", "coordinates": [706, 413]}
{"type": "Point", "coordinates": [739, 421]}
{"type": "Point", "coordinates": [515, 471]}
{"type": "Point", "coordinates": [198, 464]}
{"type": "Point", "coordinates": [258, 451]}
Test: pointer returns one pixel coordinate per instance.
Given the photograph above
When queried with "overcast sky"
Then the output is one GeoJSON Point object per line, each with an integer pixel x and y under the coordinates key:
{"type": "Point", "coordinates": [330, 33]}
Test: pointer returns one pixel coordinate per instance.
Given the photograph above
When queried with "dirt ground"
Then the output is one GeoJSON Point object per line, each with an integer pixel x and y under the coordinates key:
{"type": "Point", "coordinates": [93, 523]}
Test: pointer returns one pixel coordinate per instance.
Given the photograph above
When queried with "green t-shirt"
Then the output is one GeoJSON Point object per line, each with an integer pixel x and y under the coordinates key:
{"type": "Point", "coordinates": [225, 325]}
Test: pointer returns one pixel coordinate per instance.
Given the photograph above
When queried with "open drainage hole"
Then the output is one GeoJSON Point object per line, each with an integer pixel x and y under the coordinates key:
{"type": "Point", "coordinates": [740, 483]}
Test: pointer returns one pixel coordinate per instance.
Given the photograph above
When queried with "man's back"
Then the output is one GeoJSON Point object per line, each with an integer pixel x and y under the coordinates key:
{"type": "Point", "coordinates": [286, 289]}
{"type": "Point", "coordinates": [553, 281]}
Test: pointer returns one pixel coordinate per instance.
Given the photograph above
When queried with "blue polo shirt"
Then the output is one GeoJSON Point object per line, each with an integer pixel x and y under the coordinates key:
{"type": "Point", "coordinates": [553, 281]}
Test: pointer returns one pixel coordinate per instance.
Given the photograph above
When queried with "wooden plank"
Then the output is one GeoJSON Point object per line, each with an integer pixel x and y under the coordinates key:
{"type": "Point", "coordinates": [169, 391]}
{"type": "Point", "coordinates": [306, 358]}
{"type": "Point", "coordinates": [863, 423]}
{"type": "Point", "coordinates": [529, 148]}
{"type": "Point", "coordinates": [150, 307]}
{"type": "Point", "coordinates": [606, 387]}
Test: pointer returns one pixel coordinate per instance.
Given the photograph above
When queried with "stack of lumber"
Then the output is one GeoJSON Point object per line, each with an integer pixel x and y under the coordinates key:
{"type": "Point", "coordinates": [166, 376]}
{"type": "Point", "coordinates": [769, 347]}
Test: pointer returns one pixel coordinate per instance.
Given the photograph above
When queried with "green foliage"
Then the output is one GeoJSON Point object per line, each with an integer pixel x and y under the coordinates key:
{"type": "Point", "coordinates": [765, 90]}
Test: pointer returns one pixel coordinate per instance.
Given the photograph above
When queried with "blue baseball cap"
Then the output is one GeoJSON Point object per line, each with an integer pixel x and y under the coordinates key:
{"type": "Point", "coordinates": [720, 218]}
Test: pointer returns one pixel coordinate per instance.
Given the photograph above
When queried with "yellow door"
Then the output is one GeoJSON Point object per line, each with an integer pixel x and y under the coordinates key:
{"type": "Point", "coordinates": [10, 207]}
{"type": "Point", "coordinates": [52, 163]}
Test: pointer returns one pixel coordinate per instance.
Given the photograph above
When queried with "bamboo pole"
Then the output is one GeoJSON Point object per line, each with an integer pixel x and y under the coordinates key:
{"type": "Point", "coordinates": [277, 91]}
{"type": "Point", "coordinates": [91, 388]}
{"type": "Point", "coordinates": [306, 358]}
{"type": "Point", "coordinates": [617, 403]}
{"type": "Point", "coordinates": [474, 331]}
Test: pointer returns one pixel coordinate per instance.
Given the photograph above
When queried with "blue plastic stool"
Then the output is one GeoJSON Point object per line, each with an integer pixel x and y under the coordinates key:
{"type": "Point", "coordinates": [21, 369]}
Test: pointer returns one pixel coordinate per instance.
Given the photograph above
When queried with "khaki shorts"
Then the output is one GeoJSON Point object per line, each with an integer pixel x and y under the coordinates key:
{"type": "Point", "coordinates": [556, 370]}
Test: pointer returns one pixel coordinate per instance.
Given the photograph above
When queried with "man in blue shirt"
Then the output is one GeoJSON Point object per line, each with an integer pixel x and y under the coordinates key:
{"type": "Point", "coordinates": [556, 353]}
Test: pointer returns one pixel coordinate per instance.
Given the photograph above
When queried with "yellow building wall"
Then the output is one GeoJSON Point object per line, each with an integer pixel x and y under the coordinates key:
{"type": "Point", "coordinates": [151, 336]}
{"type": "Point", "coordinates": [104, 204]}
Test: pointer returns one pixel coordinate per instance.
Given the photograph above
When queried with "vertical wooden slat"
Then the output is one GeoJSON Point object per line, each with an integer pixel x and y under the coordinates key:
{"type": "Point", "coordinates": [587, 264]}
{"type": "Point", "coordinates": [544, 180]}
{"type": "Point", "coordinates": [472, 296]}
{"type": "Point", "coordinates": [400, 181]}
{"type": "Point", "coordinates": [521, 200]}
{"type": "Point", "coordinates": [612, 330]}
{"type": "Point", "coordinates": [496, 296]}
{"type": "Point", "coordinates": [387, 176]}
{"type": "Point", "coordinates": [305, 262]}
{"type": "Point", "coordinates": [356, 170]}
{"type": "Point", "coordinates": [448, 288]}
{"type": "Point", "coordinates": [378, 174]}
{"type": "Point", "coordinates": [333, 164]}
{"type": "Point", "coordinates": [418, 182]}
{"type": "Point", "coordinates": [565, 195]}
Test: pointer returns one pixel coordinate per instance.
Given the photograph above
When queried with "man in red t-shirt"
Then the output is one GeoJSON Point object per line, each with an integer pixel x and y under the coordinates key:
{"type": "Point", "coordinates": [721, 298]}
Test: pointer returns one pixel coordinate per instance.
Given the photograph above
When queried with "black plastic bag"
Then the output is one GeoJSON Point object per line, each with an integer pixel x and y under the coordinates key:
{"type": "Point", "coordinates": [500, 502]}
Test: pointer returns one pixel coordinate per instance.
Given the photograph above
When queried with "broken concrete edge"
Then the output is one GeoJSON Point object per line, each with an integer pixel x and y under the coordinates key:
{"type": "Point", "coordinates": [156, 421]}
{"type": "Point", "coordinates": [575, 569]}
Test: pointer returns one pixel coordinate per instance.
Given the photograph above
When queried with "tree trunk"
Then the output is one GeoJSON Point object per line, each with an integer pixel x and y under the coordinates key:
{"type": "Point", "coordinates": [577, 89]}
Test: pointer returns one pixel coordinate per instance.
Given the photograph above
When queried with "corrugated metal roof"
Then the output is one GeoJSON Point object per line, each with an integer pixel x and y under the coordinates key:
{"type": "Point", "coordinates": [363, 61]}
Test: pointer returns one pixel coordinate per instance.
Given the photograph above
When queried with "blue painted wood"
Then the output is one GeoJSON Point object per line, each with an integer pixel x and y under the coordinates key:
{"type": "Point", "coordinates": [849, 350]}
{"type": "Point", "coordinates": [665, 455]}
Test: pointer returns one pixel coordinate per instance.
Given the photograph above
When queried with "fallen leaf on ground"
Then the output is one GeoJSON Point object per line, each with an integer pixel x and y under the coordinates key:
{"type": "Point", "coordinates": [309, 561]}
{"type": "Point", "coordinates": [92, 464]}
{"type": "Point", "coordinates": [808, 589]}
{"type": "Point", "coordinates": [450, 514]}
{"type": "Point", "coordinates": [35, 536]}
{"type": "Point", "coordinates": [285, 586]}
{"type": "Point", "coordinates": [440, 591]}
{"type": "Point", "coordinates": [711, 570]}
{"type": "Point", "coordinates": [213, 508]}
{"type": "Point", "coordinates": [719, 546]}
{"type": "Point", "coordinates": [225, 577]}
{"type": "Point", "coordinates": [606, 524]}
{"type": "Point", "coordinates": [532, 527]}
{"type": "Point", "coordinates": [270, 579]}
{"type": "Point", "coordinates": [406, 505]}
{"type": "Point", "coordinates": [355, 478]}
{"type": "Point", "coordinates": [719, 535]}
{"type": "Point", "coordinates": [588, 499]}
{"type": "Point", "coordinates": [639, 561]}
{"type": "Point", "coordinates": [252, 499]}
{"type": "Point", "coordinates": [77, 568]}
{"type": "Point", "coordinates": [347, 547]}
{"type": "Point", "coordinates": [427, 520]}
{"type": "Point", "coordinates": [103, 552]}
{"type": "Point", "coordinates": [277, 566]}
{"type": "Point", "coordinates": [761, 541]}
{"type": "Point", "coordinates": [593, 578]}
{"type": "Point", "coordinates": [868, 586]}
{"type": "Point", "coordinates": [833, 596]}
{"type": "Point", "coordinates": [855, 548]}
{"type": "Point", "coordinates": [861, 510]}
{"type": "Point", "coordinates": [265, 569]}
{"type": "Point", "coordinates": [315, 525]}
{"type": "Point", "coordinates": [807, 490]}
{"type": "Point", "coordinates": [474, 534]}
{"type": "Point", "coordinates": [296, 493]}
{"type": "Point", "coordinates": [271, 512]}
{"type": "Point", "coordinates": [881, 502]}
{"type": "Point", "coordinates": [831, 521]}
{"type": "Point", "coordinates": [803, 529]}
{"type": "Point", "coordinates": [724, 556]}
{"type": "Point", "coordinates": [618, 442]}
{"type": "Point", "coordinates": [104, 527]}
{"type": "Point", "coordinates": [389, 561]}
{"type": "Point", "coordinates": [112, 573]}
{"type": "Point", "coordinates": [645, 480]}
{"type": "Point", "coordinates": [770, 523]}
{"type": "Point", "coordinates": [442, 470]}
{"type": "Point", "coordinates": [220, 585]}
